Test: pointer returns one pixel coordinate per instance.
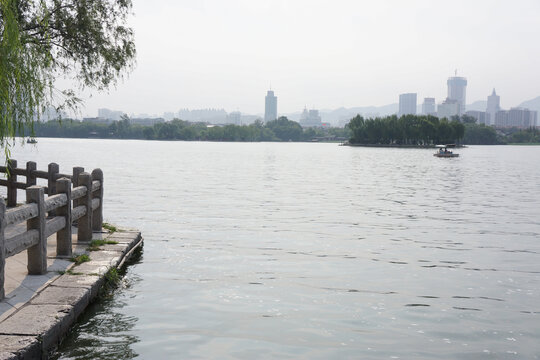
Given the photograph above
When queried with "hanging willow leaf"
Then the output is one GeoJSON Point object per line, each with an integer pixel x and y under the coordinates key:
{"type": "Point", "coordinates": [41, 40]}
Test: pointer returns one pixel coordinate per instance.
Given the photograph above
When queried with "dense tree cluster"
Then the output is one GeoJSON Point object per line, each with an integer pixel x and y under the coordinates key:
{"type": "Point", "coordinates": [520, 136]}
{"type": "Point", "coordinates": [406, 130]}
{"type": "Point", "coordinates": [480, 134]}
{"type": "Point", "coordinates": [281, 129]}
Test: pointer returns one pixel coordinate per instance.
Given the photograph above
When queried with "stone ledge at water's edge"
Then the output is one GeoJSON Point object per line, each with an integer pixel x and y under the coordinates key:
{"type": "Point", "coordinates": [33, 327]}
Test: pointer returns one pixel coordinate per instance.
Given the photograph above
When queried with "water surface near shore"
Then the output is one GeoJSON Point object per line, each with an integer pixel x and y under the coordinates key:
{"type": "Point", "coordinates": [297, 250]}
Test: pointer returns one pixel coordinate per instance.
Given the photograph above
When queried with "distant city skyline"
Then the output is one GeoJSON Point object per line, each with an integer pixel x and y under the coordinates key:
{"type": "Point", "coordinates": [207, 53]}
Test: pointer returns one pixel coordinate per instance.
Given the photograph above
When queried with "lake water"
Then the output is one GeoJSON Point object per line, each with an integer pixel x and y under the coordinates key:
{"type": "Point", "coordinates": [314, 251]}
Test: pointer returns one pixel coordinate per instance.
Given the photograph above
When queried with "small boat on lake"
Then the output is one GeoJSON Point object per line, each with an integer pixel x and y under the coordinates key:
{"type": "Point", "coordinates": [31, 141]}
{"type": "Point", "coordinates": [444, 152]}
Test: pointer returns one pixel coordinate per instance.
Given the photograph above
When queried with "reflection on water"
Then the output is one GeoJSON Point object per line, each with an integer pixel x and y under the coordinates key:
{"type": "Point", "coordinates": [104, 331]}
{"type": "Point", "coordinates": [317, 251]}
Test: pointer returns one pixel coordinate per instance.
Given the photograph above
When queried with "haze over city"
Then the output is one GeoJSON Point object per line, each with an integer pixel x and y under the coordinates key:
{"type": "Point", "coordinates": [214, 54]}
{"type": "Point", "coordinates": [277, 179]}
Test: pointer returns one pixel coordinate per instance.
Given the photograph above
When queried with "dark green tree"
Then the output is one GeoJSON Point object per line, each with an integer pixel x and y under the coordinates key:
{"type": "Point", "coordinates": [466, 119]}
{"type": "Point", "coordinates": [285, 129]}
{"type": "Point", "coordinates": [480, 134]}
{"type": "Point", "coordinates": [458, 130]}
{"type": "Point", "coordinates": [356, 126]}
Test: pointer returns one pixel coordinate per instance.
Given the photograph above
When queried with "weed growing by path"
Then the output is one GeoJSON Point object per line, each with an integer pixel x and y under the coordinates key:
{"type": "Point", "coordinates": [110, 227]}
{"type": "Point", "coordinates": [96, 243]}
{"type": "Point", "coordinates": [79, 259]}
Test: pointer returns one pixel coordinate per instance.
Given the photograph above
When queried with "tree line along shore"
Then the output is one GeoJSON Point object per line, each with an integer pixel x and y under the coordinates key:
{"type": "Point", "coordinates": [408, 130]}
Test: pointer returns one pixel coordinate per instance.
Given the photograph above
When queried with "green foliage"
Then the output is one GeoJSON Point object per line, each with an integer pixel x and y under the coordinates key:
{"type": "Point", "coordinates": [96, 243]}
{"type": "Point", "coordinates": [281, 129]}
{"type": "Point", "coordinates": [39, 40]}
{"type": "Point", "coordinates": [527, 136]}
{"type": "Point", "coordinates": [480, 135]}
{"type": "Point", "coordinates": [79, 259]}
{"type": "Point", "coordinates": [69, 272]}
{"type": "Point", "coordinates": [110, 227]}
{"type": "Point", "coordinates": [24, 77]}
{"type": "Point", "coordinates": [285, 130]}
{"type": "Point", "coordinates": [406, 130]}
{"type": "Point", "coordinates": [112, 277]}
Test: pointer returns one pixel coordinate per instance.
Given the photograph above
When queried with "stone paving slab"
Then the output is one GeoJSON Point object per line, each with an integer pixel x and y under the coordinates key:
{"type": "Point", "coordinates": [77, 281]}
{"type": "Point", "coordinates": [45, 322]}
{"type": "Point", "coordinates": [19, 347]}
{"type": "Point", "coordinates": [59, 295]}
{"type": "Point", "coordinates": [39, 309]}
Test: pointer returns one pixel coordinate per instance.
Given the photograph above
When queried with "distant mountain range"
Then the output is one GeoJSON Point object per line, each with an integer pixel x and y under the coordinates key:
{"type": "Point", "coordinates": [342, 115]}
{"type": "Point", "coordinates": [533, 104]}
{"type": "Point", "coordinates": [480, 105]}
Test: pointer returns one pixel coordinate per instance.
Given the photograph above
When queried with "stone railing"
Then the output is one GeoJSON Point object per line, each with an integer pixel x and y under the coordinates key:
{"type": "Point", "coordinates": [76, 197]}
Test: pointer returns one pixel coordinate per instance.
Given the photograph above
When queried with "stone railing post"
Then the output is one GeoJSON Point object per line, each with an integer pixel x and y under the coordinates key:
{"type": "Point", "coordinates": [30, 177]}
{"type": "Point", "coordinates": [2, 247]}
{"type": "Point", "coordinates": [75, 181]}
{"type": "Point", "coordinates": [11, 183]}
{"type": "Point", "coordinates": [63, 237]}
{"type": "Point", "coordinates": [84, 227]}
{"type": "Point", "coordinates": [54, 169]}
{"type": "Point", "coordinates": [75, 178]}
{"type": "Point", "coordinates": [37, 254]}
{"type": "Point", "coordinates": [97, 216]}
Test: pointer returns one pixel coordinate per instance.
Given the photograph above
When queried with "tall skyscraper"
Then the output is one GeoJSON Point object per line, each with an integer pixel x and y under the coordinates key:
{"type": "Point", "coordinates": [493, 105]}
{"type": "Point", "coordinates": [457, 90]}
{"type": "Point", "coordinates": [407, 104]}
{"type": "Point", "coordinates": [428, 107]}
{"type": "Point", "coordinates": [270, 106]}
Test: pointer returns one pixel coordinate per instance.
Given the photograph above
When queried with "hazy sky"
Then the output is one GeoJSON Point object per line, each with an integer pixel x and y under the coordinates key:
{"type": "Point", "coordinates": [324, 54]}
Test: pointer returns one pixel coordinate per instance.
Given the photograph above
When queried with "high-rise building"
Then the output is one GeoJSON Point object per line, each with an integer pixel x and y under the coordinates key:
{"type": "Point", "coordinates": [448, 108]}
{"type": "Point", "coordinates": [516, 117]}
{"type": "Point", "coordinates": [428, 107]}
{"type": "Point", "coordinates": [480, 116]}
{"type": "Point", "coordinates": [493, 105]}
{"type": "Point", "coordinates": [110, 114]}
{"type": "Point", "coordinates": [310, 118]}
{"type": "Point", "coordinates": [211, 116]}
{"type": "Point", "coordinates": [270, 106]}
{"type": "Point", "coordinates": [457, 90]}
{"type": "Point", "coordinates": [235, 118]}
{"type": "Point", "coordinates": [407, 104]}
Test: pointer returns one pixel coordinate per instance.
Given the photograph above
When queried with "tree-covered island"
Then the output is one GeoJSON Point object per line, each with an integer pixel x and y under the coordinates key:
{"type": "Point", "coordinates": [407, 130]}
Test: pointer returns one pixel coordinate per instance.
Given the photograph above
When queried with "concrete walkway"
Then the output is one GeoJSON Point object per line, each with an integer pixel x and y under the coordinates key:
{"type": "Point", "coordinates": [39, 309]}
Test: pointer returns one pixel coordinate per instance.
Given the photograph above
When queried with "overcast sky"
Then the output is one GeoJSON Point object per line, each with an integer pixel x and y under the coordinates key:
{"type": "Point", "coordinates": [324, 54]}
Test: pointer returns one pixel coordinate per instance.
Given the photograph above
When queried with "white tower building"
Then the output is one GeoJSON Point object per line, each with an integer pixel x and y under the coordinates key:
{"type": "Point", "coordinates": [493, 105]}
{"type": "Point", "coordinates": [457, 90]}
